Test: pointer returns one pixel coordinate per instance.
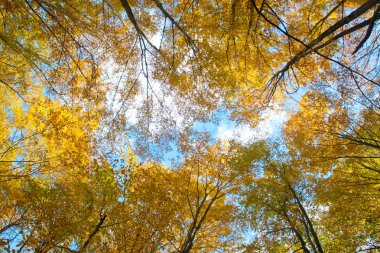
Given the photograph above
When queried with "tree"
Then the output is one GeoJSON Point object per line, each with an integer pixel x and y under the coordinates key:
{"type": "Point", "coordinates": [183, 210]}
{"type": "Point", "coordinates": [281, 203]}
{"type": "Point", "coordinates": [341, 143]}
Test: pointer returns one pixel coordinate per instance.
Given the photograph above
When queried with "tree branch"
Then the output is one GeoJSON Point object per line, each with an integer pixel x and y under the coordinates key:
{"type": "Point", "coordinates": [96, 230]}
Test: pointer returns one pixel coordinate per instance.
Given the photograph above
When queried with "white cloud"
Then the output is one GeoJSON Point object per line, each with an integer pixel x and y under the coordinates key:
{"type": "Point", "coordinates": [245, 134]}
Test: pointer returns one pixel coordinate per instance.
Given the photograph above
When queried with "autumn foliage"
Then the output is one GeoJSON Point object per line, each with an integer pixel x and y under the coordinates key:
{"type": "Point", "coordinates": [101, 144]}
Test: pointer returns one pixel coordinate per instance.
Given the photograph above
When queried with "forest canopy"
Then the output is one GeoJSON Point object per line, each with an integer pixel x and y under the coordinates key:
{"type": "Point", "coordinates": [190, 126]}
